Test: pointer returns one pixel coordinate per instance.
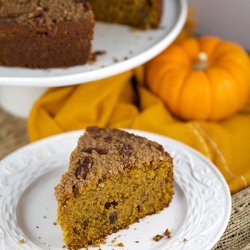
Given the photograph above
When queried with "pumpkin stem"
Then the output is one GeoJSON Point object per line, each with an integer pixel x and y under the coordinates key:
{"type": "Point", "coordinates": [202, 62]}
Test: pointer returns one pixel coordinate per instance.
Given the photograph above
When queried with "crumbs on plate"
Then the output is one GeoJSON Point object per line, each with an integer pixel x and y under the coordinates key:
{"type": "Point", "coordinates": [167, 233]}
{"type": "Point", "coordinates": [120, 244]}
{"type": "Point", "coordinates": [22, 241]}
{"type": "Point", "coordinates": [157, 237]}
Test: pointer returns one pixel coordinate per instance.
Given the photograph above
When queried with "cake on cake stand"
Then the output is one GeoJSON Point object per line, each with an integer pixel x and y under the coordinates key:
{"type": "Point", "coordinates": [122, 47]}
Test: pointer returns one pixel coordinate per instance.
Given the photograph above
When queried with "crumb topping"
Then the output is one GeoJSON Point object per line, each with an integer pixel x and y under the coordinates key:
{"type": "Point", "coordinates": [101, 153]}
{"type": "Point", "coordinates": [42, 12]}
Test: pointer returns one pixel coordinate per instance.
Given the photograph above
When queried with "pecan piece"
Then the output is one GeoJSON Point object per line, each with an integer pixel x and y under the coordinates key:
{"type": "Point", "coordinates": [108, 139]}
{"type": "Point", "coordinates": [109, 204]}
{"type": "Point", "coordinates": [84, 167]}
{"type": "Point", "coordinates": [100, 151]}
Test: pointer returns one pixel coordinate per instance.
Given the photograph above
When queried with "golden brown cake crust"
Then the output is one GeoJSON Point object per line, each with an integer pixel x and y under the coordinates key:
{"type": "Point", "coordinates": [102, 153]}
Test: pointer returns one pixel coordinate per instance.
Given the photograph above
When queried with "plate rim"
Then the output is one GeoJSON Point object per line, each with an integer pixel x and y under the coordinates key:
{"type": "Point", "coordinates": [225, 187]}
{"type": "Point", "coordinates": [102, 73]}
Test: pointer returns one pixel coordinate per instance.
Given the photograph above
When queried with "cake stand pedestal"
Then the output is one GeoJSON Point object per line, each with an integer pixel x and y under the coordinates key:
{"type": "Point", "coordinates": [19, 100]}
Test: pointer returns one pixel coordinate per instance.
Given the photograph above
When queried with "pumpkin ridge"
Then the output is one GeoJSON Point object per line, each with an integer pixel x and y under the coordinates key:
{"type": "Point", "coordinates": [197, 98]}
{"type": "Point", "coordinates": [209, 53]}
{"type": "Point", "coordinates": [181, 90]}
{"type": "Point", "coordinates": [162, 81]}
{"type": "Point", "coordinates": [211, 95]}
{"type": "Point", "coordinates": [171, 61]}
{"type": "Point", "coordinates": [156, 84]}
{"type": "Point", "coordinates": [212, 55]}
{"type": "Point", "coordinates": [168, 56]}
{"type": "Point", "coordinates": [172, 101]}
{"type": "Point", "coordinates": [240, 62]}
{"type": "Point", "coordinates": [226, 53]}
{"type": "Point", "coordinates": [241, 101]}
{"type": "Point", "coordinates": [228, 111]}
{"type": "Point", "coordinates": [187, 54]}
{"type": "Point", "coordinates": [232, 78]}
{"type": "Point", "coordinates": [210, 92]}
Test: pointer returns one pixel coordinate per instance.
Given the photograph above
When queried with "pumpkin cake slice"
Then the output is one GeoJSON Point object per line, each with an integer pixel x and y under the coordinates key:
{"type": "Point", "coordinates": [114, 179]}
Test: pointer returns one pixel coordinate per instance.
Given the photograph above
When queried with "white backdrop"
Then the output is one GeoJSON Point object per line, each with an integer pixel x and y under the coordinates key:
{"type": "Point", "coordinates": [229, 19]}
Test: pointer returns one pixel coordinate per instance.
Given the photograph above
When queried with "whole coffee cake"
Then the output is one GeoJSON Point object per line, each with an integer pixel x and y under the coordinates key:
{"type": "Point", "coordinates": [114, 179]}
{"type": "Point", "coordinates": [45, 33]}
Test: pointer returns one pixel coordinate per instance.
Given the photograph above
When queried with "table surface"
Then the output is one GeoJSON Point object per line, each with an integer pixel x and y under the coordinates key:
{"type": "Point", "coordinates": [13, 135]}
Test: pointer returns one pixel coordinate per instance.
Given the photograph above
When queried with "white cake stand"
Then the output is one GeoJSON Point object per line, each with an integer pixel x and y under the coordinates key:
{"type": "Point", "coordinates": [125, 48]}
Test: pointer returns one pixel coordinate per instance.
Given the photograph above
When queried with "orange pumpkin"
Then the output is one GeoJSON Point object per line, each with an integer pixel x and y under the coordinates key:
{"type": "Point", "coordinates": [201, 79]}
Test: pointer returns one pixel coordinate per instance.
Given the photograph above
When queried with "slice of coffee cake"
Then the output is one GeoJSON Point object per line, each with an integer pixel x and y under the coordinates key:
{"type": "Point", "coordinates": [114, 179]}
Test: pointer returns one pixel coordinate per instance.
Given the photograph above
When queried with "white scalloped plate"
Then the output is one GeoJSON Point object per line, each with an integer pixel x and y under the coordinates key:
{"type": "Point", "coordinates": [197, 216]}
{"type": "Point", "coordinates": [125, 49]}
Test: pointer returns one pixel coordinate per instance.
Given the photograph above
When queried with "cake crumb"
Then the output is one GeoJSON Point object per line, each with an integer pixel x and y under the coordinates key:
{"type": "Point", "coordinates": [99, 52]}
{"type": "Point", "coordinates": [185, 240]}
{"type": "Point", "coordinates": [95, 54]}
{"type": "Point", "coordinates": [157, 237]}
{"type": "Point", "coordinates": [120, 244]}
{"type": "Point", "coordinates": [54, 223]}
{"type": "Point", "coordinates": [115, 60]}
{"type": "Point", "coordinates": [22, 241]}
{"type": "Point", "coordinates": [167, 233]}
{"type": "Point", "coordinates": [101, 185]}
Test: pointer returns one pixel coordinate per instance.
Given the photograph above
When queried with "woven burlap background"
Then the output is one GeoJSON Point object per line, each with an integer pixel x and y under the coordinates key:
{"type": "Point", "coordinates": [13, 135]}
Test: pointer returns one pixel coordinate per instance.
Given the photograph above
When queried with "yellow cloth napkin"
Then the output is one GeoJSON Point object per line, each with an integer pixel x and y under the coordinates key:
{"type": "Point", "coordinates": [117, 102]}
